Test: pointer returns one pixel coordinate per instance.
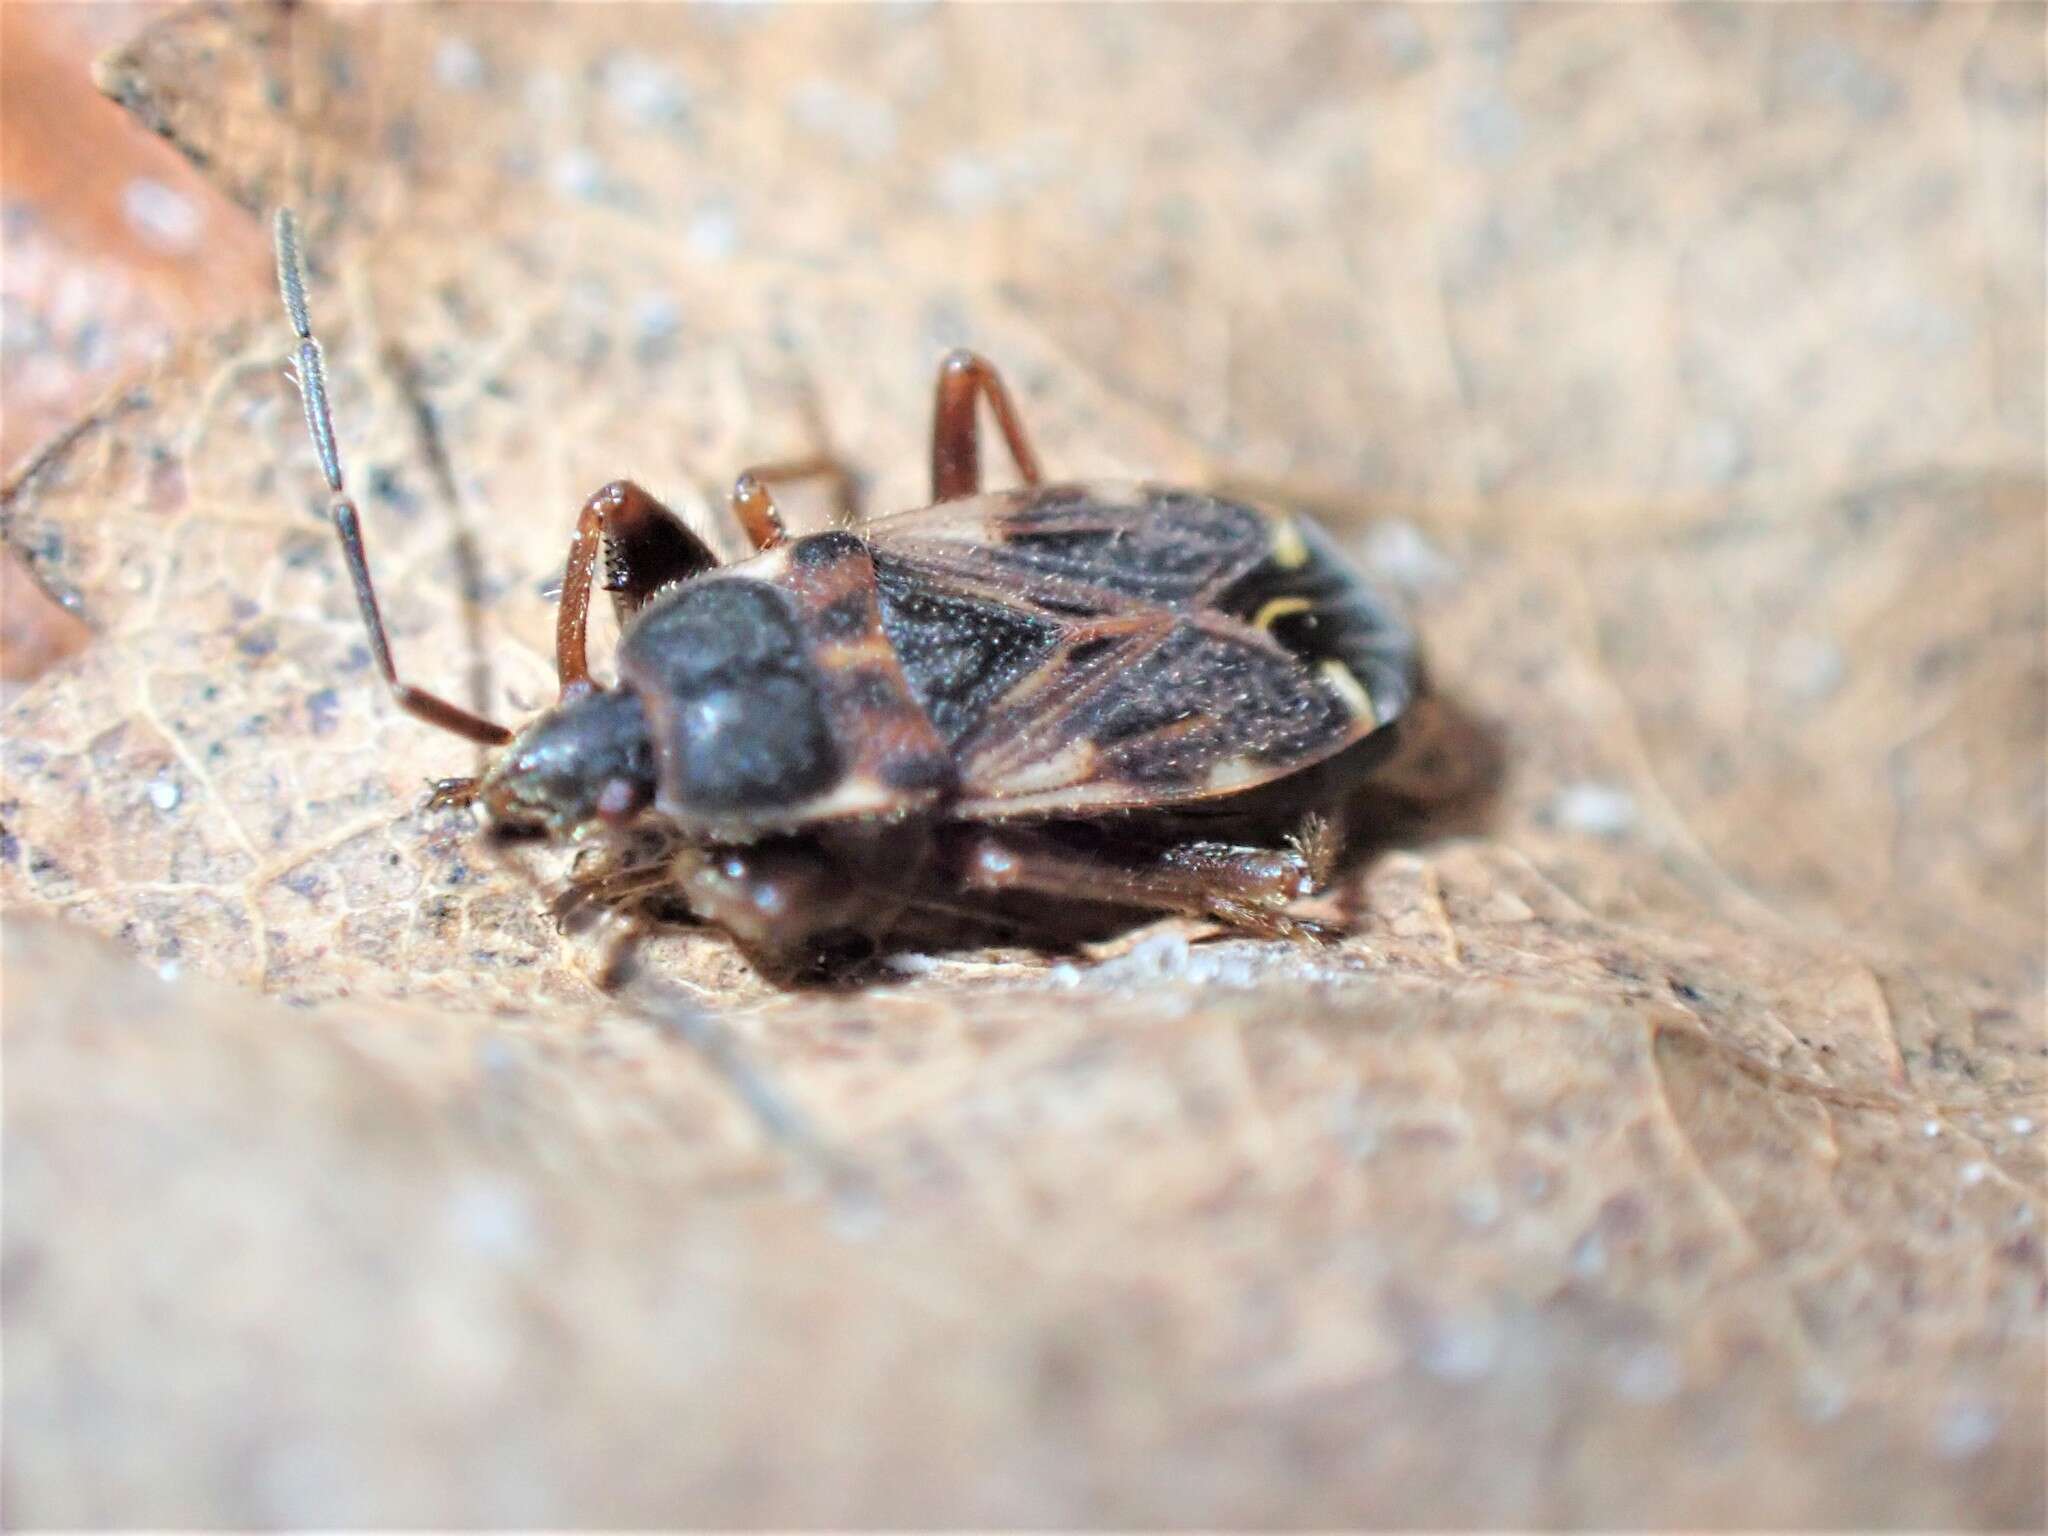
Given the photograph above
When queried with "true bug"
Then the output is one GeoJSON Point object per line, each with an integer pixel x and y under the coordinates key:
{"type": "Point", "coordinates": [1103, 694]}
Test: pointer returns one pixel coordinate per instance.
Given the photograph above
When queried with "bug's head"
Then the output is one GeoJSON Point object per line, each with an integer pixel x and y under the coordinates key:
{"type": "Point", "coordinates": [586, 760]}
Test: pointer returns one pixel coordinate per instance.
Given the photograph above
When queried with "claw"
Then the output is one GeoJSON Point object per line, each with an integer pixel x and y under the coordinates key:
{"type": "Point", "coordinates": [1308, 919]}
{"type": "Point", "coordinates": [453, 793]}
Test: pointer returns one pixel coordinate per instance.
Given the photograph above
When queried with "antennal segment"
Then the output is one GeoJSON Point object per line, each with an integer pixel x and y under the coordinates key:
{"type": "Point", "coordinates": [310, 373]}
{"type": "Point", "coordinates": [310, 367]}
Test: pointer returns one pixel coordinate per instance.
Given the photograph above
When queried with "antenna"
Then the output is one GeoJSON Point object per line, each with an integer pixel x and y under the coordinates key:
{"type": "Point", "coordinates": [309, 371]}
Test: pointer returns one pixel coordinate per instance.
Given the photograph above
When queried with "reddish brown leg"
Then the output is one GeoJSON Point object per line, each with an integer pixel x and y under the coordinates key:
{"type": "Point", "coordinates": [453, 794]}
{"type": "Point", "coordinates": [645, 547]}
{"type": "Point", "coordinates": [753, 505]}
{"type": "Point", "coordinates": [776, 897]}
{"type": "Point", "coordinates": [618, 929]}
{"type": "Point", "coordinates": [756, 512]}
{"type": "Point", "coordinates": [311, 374]}
{"type": "Point", "coordinates": [964, 378]}
{"type": "Point", "coordinates": [1250, 888]}
{"type": "Point", "coordinates": [612, 881]}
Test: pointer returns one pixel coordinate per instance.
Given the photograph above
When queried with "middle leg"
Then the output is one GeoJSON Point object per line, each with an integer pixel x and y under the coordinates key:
{"type": "Point", "coordinates": [753, 504]}
{"type": "Point", "coordinates": [780, 897]}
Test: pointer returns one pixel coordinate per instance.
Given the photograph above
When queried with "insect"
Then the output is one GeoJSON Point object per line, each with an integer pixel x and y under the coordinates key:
{"type": "Point", "coordinates": [1131, 696]}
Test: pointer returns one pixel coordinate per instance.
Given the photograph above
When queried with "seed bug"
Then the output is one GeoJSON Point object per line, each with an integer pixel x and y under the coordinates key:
{"type": "Point", "coordinates": [1108, 695]}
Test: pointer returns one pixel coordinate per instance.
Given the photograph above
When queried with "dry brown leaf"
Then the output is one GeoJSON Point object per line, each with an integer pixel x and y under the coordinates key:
{"type": "Point", "coordinates": [1662, 1149]}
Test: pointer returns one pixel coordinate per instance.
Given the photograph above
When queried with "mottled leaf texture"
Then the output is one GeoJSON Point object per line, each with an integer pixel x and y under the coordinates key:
{"type": "Point", "coordinates": [1663, 1147]}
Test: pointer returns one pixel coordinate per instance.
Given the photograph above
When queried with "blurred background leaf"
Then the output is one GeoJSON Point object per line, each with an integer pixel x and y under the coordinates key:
{"type": "Point", "coordinates": [1662, 1148]}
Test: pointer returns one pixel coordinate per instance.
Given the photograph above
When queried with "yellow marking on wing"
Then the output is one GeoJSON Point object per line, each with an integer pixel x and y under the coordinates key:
{"type": "Point", "coordinates": [870, 650]}
{"type": "Point", "coordinates": [1233, 773]}
{"type": "Point", "coordinates": [1279, 608]}
{"type": "Point", "coordinates": [1290, 549]}
{"type": "Point", "coordinates": [1356, 696]}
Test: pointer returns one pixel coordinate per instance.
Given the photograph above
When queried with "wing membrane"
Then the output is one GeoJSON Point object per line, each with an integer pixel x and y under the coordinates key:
{"type": "Point", "coordinates": [1080, 648]}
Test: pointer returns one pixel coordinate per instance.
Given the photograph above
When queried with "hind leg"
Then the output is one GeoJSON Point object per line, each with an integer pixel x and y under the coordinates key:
{"type": "Point", "coordinates": [1265, 891]}
{"type": "Point", "coordinates": [964, 379]}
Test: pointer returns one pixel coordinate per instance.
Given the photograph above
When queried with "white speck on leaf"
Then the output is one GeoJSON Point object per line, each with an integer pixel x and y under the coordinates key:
{"type": "Point", "coordinates": [1603, 810]}
{"type": "Point", "coordinates": [162, 215]}
{"type": "Point", "coordinates": [1490, 128]}
{"type": "Point", "coordinates": [1462, 1349]}
{"type": "Point", "coordinates": [1651, 1374]}
{"type": "Point", "coordinates": [1810, 667]}
{"type": "Point", "coordinates": [713, 233]}
{"type": "Point", "coordinates": [1403, 556]}
{"type": "Point", "coordinates": [1717, 451]}
{"type": "Point", "coordinates": [546, 92]}
{"type": "Point", "coordinates": [864, 124]}
{"type": "Point", "coordinates": [457, 64]}
{"type": "Point", "coordinates": [1822, 1398]}
{"type": "Point", "coordinates": [1478, 1206]}
{"type": "Point", "coordinates": [968, 184]}
{"type": "Point", "coordinates": [577, 173]}
{"type": "Point", "coordinates": [656, 318]}
{"type": "Point", "coordinates": [975, 183]}
{"type": "Point", "coordinates": [492, 1217]}
{"type": "Point", "coordinates": [1965, 1428]}
{"type": "Point", "coordinates": [1157, 958]}
{"type": "Point", "coordinates": [645, 91]}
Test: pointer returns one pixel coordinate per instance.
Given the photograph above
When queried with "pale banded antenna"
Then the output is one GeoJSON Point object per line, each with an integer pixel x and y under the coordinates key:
{"type": "Point", "coordinates": [311, 375]}
{"type": "Point", "coordinates": [312, 371]}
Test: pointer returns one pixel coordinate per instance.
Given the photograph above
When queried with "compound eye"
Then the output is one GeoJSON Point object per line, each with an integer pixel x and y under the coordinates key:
{"type": "Point", "coordinates": [622, 799]}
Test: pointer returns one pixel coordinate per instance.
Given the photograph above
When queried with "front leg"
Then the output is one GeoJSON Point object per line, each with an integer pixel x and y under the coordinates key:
{"type": "Point", "coordinates": [645, 547]}
{"type": "Point", "coordinates": [783, 897]}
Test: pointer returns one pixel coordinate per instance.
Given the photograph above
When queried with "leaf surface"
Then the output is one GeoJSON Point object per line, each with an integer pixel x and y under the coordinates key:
{"type": "Point", "coordinates": [1661, 1147]}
